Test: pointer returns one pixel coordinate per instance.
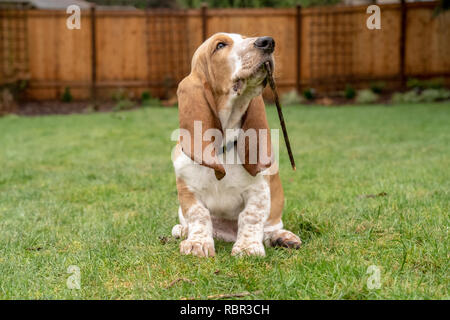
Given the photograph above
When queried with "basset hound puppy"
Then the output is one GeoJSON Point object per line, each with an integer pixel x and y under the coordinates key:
{"type": "Point", "coordinates": [240, 201]}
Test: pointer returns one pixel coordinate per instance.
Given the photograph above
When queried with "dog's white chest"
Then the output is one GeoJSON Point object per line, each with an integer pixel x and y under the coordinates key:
{"type": "Point", "coordinates": [224, 198]}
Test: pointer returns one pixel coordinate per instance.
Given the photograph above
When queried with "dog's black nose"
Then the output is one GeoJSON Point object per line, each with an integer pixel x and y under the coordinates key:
{"type": "Point", "coordinates": [266, 44]}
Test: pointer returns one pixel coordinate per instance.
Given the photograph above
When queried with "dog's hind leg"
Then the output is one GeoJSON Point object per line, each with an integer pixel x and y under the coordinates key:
{"type": "Point", "coordinates": [274, 234]}
{"type": "Point", "coordinates": [281, 238]}
{"type": "Point", "coordinates": [180, 231]}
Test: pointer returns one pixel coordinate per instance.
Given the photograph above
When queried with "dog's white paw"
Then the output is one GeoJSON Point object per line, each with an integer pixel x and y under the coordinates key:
{"type": "Point", "coordinates": [198, 248]}
{"type": "Point", "coordinates": [248, 248]}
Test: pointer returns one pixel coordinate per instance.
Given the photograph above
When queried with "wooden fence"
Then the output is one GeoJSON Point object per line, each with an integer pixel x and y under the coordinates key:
{"type": "Point", "coordinates": [325, 48]}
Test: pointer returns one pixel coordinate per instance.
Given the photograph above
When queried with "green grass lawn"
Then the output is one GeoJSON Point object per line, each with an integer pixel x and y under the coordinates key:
{"type": "Point", "coordinates": [98, 191]}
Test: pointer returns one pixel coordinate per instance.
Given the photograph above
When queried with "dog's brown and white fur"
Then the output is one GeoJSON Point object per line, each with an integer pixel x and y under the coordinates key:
{"type": "Point", "coordinates": [233, 202]}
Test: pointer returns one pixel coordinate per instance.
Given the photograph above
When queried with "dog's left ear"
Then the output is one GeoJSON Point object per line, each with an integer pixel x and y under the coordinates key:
{"type": "Point", "coordinates": [196, 105]}
{"type": "Point", "coordinates": [255, 119]}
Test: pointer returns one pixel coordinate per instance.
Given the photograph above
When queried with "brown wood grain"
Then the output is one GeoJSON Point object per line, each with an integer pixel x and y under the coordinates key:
{"type": "Point", "coordinates": [139, 51]}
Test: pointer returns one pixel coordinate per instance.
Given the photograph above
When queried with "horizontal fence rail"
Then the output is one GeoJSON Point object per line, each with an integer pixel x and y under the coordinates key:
{"type": "Point", "coordinates": [138, 50]}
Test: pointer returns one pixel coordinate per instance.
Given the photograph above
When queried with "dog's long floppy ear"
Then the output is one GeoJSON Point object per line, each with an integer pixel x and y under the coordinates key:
{"type": "Point", "coordinates": [198, 119]}
{"type": "Point", "coordinates": [258, 158]}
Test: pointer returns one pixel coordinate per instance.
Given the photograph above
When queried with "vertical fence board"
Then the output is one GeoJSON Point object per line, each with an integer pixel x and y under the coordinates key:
{"type": "Point", "coordinates": [427, 42]}
{"type": "Point", "coordinates": [41, 42]}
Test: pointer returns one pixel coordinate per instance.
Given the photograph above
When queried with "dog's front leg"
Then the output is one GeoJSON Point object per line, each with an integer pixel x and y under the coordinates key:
{"type": "Point", "coordinates": [196, 224]}
{"type": "Point", "coordinates": [199, 240]}
{"type": "Point", "coordinates": [251, 221]}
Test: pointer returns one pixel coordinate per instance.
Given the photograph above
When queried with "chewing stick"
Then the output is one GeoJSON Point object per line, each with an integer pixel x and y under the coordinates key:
{"type": "Point", "coordinates": [280, 114]}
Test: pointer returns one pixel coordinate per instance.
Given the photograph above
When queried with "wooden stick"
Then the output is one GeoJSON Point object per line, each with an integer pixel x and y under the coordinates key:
{"type": "Point", "coordinates": [178, 280]}
{"type": "Point", "coordinates": [280, 114]}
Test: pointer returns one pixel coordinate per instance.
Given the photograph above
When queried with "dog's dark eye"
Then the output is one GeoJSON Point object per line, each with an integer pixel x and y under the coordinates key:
{"type": "Point", "coordinates": [220, 45]}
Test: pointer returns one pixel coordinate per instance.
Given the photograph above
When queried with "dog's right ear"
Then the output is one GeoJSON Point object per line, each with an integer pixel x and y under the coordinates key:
{"type": "Point", "coordinates": [198, 118]}
{"type": "Point", "coordinates": [255, 119]}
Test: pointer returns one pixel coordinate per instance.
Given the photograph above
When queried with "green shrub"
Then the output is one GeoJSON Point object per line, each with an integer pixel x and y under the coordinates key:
{"type": "Point", "coordinates": [349, 92]}
{"type": "Point", "coordinates": [435, 83]}
{"type": "Point", "coordinates": [151, 102]}
{"type": "Point", "coordinates": [377, 86]}
{"type": "Point", "coordinates": [414, 83]}
{"type": "Point", "coordinates": [123, 104]}
{"type": "Point", "coordinates": [411, 96]}
{"type": "Point", "coordinates": [427, 95]}
{"type": "Point", "coordinates": [66, 96]}
{"type": "Point", "coordinates": [431, 95]}
{"type": "Point", "coordinates": [397, 98]}
{"type": "Point", "coordinates": [147, 100]}
{"type": "Point", "coordinates": [145, 96]}
{"type": "Point", "coordinates": [123, 100]}
{"type": "Point", "coordinates": [120, 94]}
{"type": "Point", "coordinates": [291, 98]}
{"type": "Point", "coordinates": [309, 93]}
{"type": "Point", "coordinates": [7, 102]}
{"type": "Point", "coordinates": [366, 96]}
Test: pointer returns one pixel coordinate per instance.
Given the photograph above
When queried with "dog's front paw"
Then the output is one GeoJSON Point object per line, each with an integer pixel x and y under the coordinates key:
{"type": "Point", "coordinates": [249, 248]}
{"type": "Point", "coordinates": [198, 248]}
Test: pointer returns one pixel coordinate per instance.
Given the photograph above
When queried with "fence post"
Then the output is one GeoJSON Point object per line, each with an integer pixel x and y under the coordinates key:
{"type": "Point", "coordinates": [299, 46]}
{"type": "Point", "coordinates": [93, 54]}
{"type": "Point", "coordinates": [204, 14]}
{"type": "Point", "coordinates": [402, 41]}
